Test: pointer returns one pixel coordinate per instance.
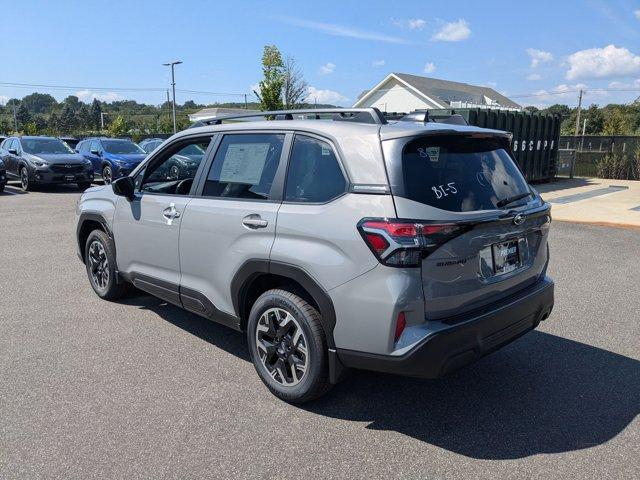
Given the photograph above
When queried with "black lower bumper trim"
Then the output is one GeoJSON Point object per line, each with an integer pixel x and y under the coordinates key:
{"type": "Point", "coordinates": [454, 347]}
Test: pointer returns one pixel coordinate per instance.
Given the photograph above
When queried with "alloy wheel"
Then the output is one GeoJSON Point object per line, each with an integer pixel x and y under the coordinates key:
{"type": "Point", "coordinates": [282, 346]}
{"type": "Point", "coordinates": [98, 264]}
{"type": "Point", "coordinates": [24, 178]}
{"type": "Point", "coordinates": [106, 175]}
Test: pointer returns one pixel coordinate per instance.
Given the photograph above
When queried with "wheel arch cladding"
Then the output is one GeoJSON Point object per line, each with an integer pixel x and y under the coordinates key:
{"type": "Point", "coordinates": [87, 223]}
{"type": "Point", "coordinates": [278, 275]}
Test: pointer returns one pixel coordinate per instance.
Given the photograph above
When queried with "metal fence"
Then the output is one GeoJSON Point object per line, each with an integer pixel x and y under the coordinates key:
{"type": "Point", "coordinates": [590, 150]}
{"type": "Point", "coordinates": [601, 143]}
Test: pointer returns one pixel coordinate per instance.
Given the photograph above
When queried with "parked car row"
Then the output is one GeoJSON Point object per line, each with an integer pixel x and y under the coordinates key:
{"type": "Point", "coordinates": [39, 160]}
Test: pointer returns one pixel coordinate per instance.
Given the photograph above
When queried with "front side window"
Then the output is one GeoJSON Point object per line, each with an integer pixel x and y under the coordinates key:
{"type": "Point", "coordinates": [244, 166]}
{"type": "Point", "coordinates": [121, 147]}
{"type": "Point", "coordinates": [173, 170]}
{"type": "Point", "coordinates": [314, 173]}
{"type": "Point", "coordinates": [95, 146]}
{"type": "Point", "coordinates": [460, 173]}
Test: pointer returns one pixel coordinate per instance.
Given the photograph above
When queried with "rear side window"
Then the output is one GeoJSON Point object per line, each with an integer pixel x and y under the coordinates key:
{"type": "Point", "coordinates": [244, 166]}
{"type": "Point", "coordinates": [459, 173]}
{"type": "Point", "coordinates": [314, 174]}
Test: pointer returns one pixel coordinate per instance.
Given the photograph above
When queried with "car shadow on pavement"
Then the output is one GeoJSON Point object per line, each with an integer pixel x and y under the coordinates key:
{"type": "Point", "coordinates": [541, 394]}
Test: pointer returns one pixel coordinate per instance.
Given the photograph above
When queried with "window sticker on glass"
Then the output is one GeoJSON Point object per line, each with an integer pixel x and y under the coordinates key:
{"type": "Point", "coordinates": [326, 151]}
{"type": "Point", "coordinates": [432, 153]}
{"type": "Point", "coordinates": [244, 163]}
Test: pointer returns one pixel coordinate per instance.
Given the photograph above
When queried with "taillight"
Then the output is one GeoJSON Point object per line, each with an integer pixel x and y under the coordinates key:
{"type": "Point", "coordinates": [404, 243]}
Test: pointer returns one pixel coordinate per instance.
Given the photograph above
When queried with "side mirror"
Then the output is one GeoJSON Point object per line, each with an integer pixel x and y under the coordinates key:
{"type": "Point", "coordinates": [13, 151]}
{"type": "Point", "coordinates": [124, 187]}
{"type": "Point", "coordinates": [95, 151]}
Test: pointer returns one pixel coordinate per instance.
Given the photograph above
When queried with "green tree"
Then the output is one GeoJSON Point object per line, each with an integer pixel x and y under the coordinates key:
{"type": "Point", "coordinates": [73, 102]}
{"type": "Point", "coordinates": [83, 118]}
{"type": "Point", "coordinates": [595, 120]}
{"type": "Point", "coordinates": [31, 128]}
{"type": "Point", "coordinates": [40, 123]}
{"type": "Point", "coordinates": [39, 102]}
{"type": "Point", "coordinates": [616, 122]}
{"type": "Point", "coordinates": [53, 124]}
{"type": "Point", "coordinates": [118, 127]}
{"type": "Point", "coordinates": [23, 115]}
{"type": "Point", "coordinates": [270, 95]}
{"type": "Point", "coordinates": [532, 109]}
{"type": "Point", "coordinates": [68, 122]}
{"type": "Point", "coordinates": [96, 114]}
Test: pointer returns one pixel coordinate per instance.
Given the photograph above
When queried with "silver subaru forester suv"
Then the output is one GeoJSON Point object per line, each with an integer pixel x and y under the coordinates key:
{"type": "Point", "coordinates": [335, 239]}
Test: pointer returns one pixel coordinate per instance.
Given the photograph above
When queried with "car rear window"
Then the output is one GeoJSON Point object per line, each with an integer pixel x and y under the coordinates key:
{"type": "Point", "coordinates": [460, 173]}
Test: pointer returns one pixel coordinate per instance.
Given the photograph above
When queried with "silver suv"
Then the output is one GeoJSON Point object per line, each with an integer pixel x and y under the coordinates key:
{"type": "Point", "coordinates": [334, 239]}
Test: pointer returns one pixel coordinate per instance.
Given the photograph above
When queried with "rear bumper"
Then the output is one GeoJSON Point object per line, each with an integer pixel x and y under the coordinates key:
{"type": "Point", "coordinates": [463, 342]}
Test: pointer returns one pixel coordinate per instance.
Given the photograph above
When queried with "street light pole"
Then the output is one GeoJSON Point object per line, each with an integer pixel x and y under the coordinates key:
{"type": "Point", "coordinates": [173, 87]}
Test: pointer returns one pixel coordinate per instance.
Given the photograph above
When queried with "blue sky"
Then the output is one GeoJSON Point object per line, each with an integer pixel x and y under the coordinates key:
{"type": "Point", "coordinates": [343, 47]}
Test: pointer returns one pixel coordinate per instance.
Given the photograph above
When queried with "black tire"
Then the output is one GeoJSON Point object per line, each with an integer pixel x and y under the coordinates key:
{"type": "Point", "coordinates": [103, 279]}
{"type": "Point", "coordinates": [25, 183]}
{"type": "Point", "coordinates": [1, 187]}
{"type": "Point", "coordinates": [314, 381]}
{"type": "Point", "coordinates": [84, 185]}
{"type": "Point", "coordinates": [107, 174]}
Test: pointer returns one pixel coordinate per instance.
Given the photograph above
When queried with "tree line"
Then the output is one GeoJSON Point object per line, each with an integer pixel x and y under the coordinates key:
{"type": "Point", "coordinates": [613, 119]}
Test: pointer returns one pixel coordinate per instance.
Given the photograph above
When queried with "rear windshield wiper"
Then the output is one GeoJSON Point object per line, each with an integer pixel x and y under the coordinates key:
{"type": "Point", "coordinates": [506, 201]}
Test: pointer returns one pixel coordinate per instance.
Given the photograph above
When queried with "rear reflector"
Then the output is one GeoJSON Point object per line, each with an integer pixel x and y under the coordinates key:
{"type": "Point", "coordinates": [401, 323]}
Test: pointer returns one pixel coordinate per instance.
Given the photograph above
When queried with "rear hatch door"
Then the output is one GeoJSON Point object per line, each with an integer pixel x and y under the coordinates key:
{"type": "Point", "coordinates": [495, 242]}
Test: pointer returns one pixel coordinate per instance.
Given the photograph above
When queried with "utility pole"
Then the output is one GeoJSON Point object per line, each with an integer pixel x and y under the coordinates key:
{"type": "Point", "coordinates": [584, 127]}
{"type": "Point", "coordinates": [15, 118]}
{"type": "Point", "coordinates": [173, 86]}
{"type": "Point", "coordinates": [578, 115]}
{"type": "Point", "coordinates": [246, 106]}
{"type": "Point", "coordinates": [102, 114]}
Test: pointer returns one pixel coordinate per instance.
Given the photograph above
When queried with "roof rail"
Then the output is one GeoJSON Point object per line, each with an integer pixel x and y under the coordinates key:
{"type": "Point", "coordinates": [356, 115]}
{"type": "Point", "coordinates": [423, 116]}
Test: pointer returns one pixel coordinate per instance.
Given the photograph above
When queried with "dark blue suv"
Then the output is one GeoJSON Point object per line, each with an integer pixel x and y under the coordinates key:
{"type": "Point", "coordinates": [111, 157]}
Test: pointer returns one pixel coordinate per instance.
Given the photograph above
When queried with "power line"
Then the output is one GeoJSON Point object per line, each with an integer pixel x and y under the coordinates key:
{"type": "Point", "coordinates": [80, 87]}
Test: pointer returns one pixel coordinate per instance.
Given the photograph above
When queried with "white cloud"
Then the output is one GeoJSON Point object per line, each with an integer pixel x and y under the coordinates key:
{"type": "Point", "coordinates": [539, 57]}
{"type": "Point", "coordinates": [327, 68]}
{"type": "Point", "coordinates": [416, 23]}
{"type": "Point", "coordinates": [324, 96]}
{"type": "Point", "coordinates": [429, 67]}
{"type": "Point", "coordinates": [609, 61]}
{"type": "Point", "coordinates": [491, 84]}
{"type": "Point", "coordinates": [637, 14]}
{"type": "Point", "coordinates": [563, 93]}
{"type": "Point", "coordinates": [3, 99]}
{"type": "Point", "coordinates": [630, 85]}
{"type": "Point", "coordinates": [453, 31]}
{"type": "Point", "coordinates": [87, 96]}
{"type": "Point", "coordinates": [342, 30]}
{"type": "Point", "coordinates": [377, 63]}
{"type": "Point", "coordinates": [534, 76]}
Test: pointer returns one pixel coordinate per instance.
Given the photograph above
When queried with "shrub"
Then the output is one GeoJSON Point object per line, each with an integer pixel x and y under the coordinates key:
{"type": "Point", "coordinates": [620, 166]}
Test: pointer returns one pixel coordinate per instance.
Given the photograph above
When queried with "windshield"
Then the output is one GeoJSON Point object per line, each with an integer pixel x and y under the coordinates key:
{"type": "Point", "coordinates": [121, 146]}
{"type": "Point", "coordinates": [460, 174]}
{"type": "Point", "coordinates": [39, 146]}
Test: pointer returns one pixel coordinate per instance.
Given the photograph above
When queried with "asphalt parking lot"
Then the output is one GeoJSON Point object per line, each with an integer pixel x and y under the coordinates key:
{"type": "Point", "coordinates": [141, 389]}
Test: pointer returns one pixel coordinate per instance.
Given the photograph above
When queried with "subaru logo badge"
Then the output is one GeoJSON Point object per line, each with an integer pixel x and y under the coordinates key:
{"type": "Point", "coordinates": [68, 166]}
{"type": "Point", "coordinates": [518, 219]}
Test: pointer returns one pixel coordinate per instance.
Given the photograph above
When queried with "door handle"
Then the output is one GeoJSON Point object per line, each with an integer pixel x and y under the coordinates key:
{"type": "Point", "coordinates": [254, 221]}
{"type": "Point", "coordinates": [170, 213]}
